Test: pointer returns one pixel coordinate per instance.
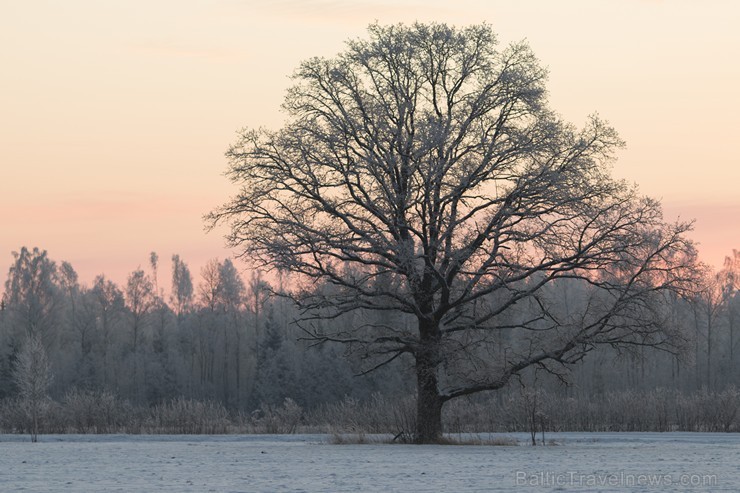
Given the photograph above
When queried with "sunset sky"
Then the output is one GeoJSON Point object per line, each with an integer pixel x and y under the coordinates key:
{"type": "Point", "coordinates": [115, 114]}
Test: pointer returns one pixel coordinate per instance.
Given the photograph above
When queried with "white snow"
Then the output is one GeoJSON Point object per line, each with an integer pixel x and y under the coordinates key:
{"type": "Point", "coordinates": [579, 462]}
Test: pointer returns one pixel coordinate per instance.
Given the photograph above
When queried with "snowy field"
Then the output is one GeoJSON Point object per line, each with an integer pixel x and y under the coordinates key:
{"type": "Point", "coordinates": [577, 462]}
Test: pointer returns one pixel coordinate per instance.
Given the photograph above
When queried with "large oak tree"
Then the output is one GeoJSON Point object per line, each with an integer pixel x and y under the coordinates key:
{"type": "Point", "coordinates": [421, 172]}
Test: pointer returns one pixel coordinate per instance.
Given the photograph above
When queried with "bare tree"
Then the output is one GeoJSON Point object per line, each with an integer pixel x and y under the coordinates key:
{"type": "Point", "coordinates": [730, 279]}
{"type": "Point", "coordinates": [32, 294]}
{"type": "Point", "coordinates": [421, 171]}
{"type": "Point", "coordinates": [209, 289]}
{"type": "Point", "coordinates": [182, 286]}
{"type": "Point", "coordinates": [140, 298]}
{"type": "Point", "coordinates": [32, 375]}
{"type": "Point", "coordinates": [154, 264]}
{"type": "Point", "coordinates": [711, 304]}
{"type": "Point", "coordinates": [230, 300]}
{"type": "Point", "coordinates": [109, 306]}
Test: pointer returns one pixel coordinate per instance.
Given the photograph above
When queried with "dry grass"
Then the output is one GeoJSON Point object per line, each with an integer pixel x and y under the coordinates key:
{"type": "Point", "coordinates": [363, 438]}
{"type": "Point", "coordinates": [337, 438]}
{"type": "Point", "coordinates": [495, 441]}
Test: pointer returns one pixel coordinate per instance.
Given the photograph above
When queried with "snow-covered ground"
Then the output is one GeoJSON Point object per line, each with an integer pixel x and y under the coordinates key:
{"type": "Point", "coordinates": [577, 462]}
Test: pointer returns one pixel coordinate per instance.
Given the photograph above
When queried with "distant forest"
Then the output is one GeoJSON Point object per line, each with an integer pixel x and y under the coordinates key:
{"type": "Point", "coordinates": [228, 340]}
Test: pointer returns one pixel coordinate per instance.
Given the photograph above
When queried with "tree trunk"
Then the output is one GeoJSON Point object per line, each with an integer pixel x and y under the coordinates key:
{"type": "Point", "coordinates": [237, 363]}
{"type": "Point", "coordinates": [428, 402]}
{"type": "Point", "coordinates": [35, 419]}
{"type": "Point", "coordinates": [428, 406]}
{"type": "Point", "coordinates": [709, 347]}
{"type": "Point", "coordinates": [731, 321]}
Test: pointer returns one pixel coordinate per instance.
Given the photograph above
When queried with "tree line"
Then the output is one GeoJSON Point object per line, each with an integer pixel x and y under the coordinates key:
{"type": "Point", "coordinates": [220, 337]}
{"type": "Point", "coordinates": [226, 348]}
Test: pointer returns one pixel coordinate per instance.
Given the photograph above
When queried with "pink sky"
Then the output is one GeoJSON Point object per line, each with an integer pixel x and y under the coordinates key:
{"type": "Point", "coordinates": [114, 116]}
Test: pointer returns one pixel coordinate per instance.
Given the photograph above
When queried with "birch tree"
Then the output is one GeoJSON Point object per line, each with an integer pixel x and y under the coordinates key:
{"type": "Point", "coordinates": [32, 375]}
{"type": "Point", "coordinates": [421, 171]}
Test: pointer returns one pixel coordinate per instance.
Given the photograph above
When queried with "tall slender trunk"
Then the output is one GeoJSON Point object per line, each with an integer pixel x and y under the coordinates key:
{"type": "Point", "coordinates": [35, 419]}
{"type": "Point", "coordinates": [696, 348]}
{"type": "Point", "coordinates": [225, 380]}
{"type": "Point", "coordinates": [237, 363]}
{"type": "Point", "coordinates": [731, 321]}
{"type": "Point", "coordinates": [709, 346]}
